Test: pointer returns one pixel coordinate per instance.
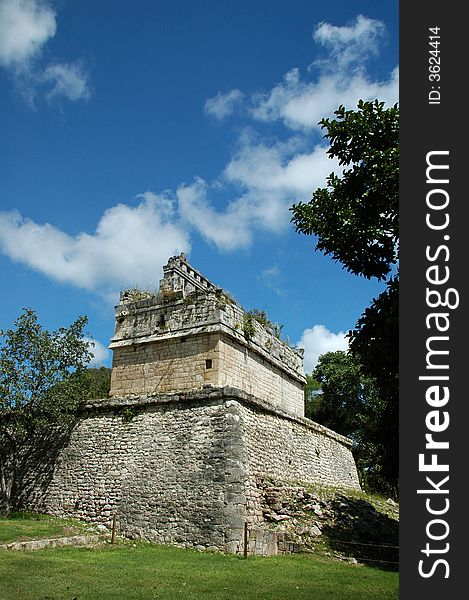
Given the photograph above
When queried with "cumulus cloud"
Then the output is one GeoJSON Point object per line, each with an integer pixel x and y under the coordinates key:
{"type": "Point", "coordinates": [279, 167]}
{"type": "Point", "coordinates": [318, 340]}
{"type": "Point", "coordinates": [268, 176]}
{"type": "Point", "coordinates": [223, 105]}
{"type": "Point", "coordinates": [351, 44]}
{"type": "Point", "coordinates": [339, 78]}
{"type": "Point", "coordinates": [302, 104]}
{"type": "Point", "coordinates": [128, 248]}
{"type": "Point", "coordinates": [25, 27]}
{"type": "Point", "coordinates": [228, 229]}
{"type": "Point", "coordinates": [99, 351]}
{"type": "Point", "coordinates": [262, 178]}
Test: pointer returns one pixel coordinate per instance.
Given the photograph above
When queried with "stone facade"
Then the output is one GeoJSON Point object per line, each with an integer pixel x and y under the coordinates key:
{"type": "Point", "coordinates": [185, 469]}
{"type": "Point", "coordinates": [206, 404]}
{"type": "Point", "coordinates": [192, 334]}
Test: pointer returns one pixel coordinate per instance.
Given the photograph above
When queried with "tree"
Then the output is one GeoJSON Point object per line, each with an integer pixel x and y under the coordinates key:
{"type": "Point", "coordinates": [344, 392]}
{"type": "Point", "coordinates": [40, 384]}
{"type": "Point", "coordinates": [375, 343]}
{"type": "Point", "coordinates": [95, 383]}
{"type": "Point", "coordinates": [356, 217]}
{"type": "Point", "coordinates": [312, 392]}
{"type": "Point", "coordinates": [356, 221]}
{"type": "Point", "coordinates": [349, 403]}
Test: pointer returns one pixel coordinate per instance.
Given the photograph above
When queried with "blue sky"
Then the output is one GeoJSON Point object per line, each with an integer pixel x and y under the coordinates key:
{"type": "Point", "coordinates": [132, 132]}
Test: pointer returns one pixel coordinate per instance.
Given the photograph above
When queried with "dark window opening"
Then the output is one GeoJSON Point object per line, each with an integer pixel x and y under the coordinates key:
{"type": "Point", "coordinates": [208, 363]}
{"type": "Point", "coordinates": [161, 323]}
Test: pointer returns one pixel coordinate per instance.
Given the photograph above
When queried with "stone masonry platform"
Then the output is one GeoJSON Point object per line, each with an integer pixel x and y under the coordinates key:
{"type": "Point", "coordinates": [185, 469]}
{"type": "Point", "coordinates": [206, 405]}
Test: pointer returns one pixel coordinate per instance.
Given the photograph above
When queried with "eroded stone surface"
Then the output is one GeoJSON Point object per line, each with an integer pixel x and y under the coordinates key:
{"type": "Point", "coordinates": [192, 334]}
{"type": "Point", "coordinates": [205, 404]}
{"type": "Point", "coordinates": [184, 469]}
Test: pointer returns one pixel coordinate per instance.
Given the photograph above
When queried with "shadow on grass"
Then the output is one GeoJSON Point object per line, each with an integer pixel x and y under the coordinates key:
{"type": "Point", "coordinates": [359, 531]}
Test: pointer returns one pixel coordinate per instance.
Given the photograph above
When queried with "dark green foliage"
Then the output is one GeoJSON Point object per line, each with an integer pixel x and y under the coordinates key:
{"type": "Point", "coordinates": [312, 396]}
{"type": "Point", "coordinates": [350, 403]}
{"type": "Point", "coordinates": [344, 392]}
{"type": "Point", "coordinates": [39, 370]}
{"type": "Point", "coordinates": [40, 386]}
{"type": "Point", "coordinates": [356, 217]}
{"type": "Point", "coordinates": [248, 326]}
{"type": "Point", "coordinates": [375, 339]}
{"type": "Point", "coordinates": [375, 344]}
{"type": "Point", "coordinates": [261, 317]}
{"type": "Point", "coordinates": [95, 383]}
{"type": "Point", "coordinates": [356, 220]}
{"type": "Point", "coordinates": [129, 413]}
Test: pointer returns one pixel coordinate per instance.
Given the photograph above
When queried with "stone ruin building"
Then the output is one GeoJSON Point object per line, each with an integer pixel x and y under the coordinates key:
{"type": "Point", "coordinates": [206, 403]}
{"type": "Point", "coordinates": [193, 336]}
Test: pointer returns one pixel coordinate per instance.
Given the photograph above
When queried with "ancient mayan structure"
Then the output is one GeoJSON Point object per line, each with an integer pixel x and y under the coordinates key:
{"type": "Point", "coordinates": [206, 404]}
{"type": "Point", "coordinates": [192, 336]}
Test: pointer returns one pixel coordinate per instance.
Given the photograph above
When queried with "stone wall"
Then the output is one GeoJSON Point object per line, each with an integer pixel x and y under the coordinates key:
{"type": "Point", "coordinates": [191, 334]}
{"type": "Point", "coordinates": [291, 450]}
{"type": "Point", "coordinates": [180, 364]}
{"type": "Point", "coordinates": [246, 369]}
{"type": "Point", "coordinates": [165, 366]}
{"type": "Point", "coordinates": [184, 469]}
{"type": "Point", "coordinates": [206, 402]}
{"type": "Point", "coordinates": [171, 470]}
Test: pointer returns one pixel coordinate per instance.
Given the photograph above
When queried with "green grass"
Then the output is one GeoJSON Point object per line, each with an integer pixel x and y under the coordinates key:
{"type": "Point", "coordinates": [144, 571]}
{"type": "Point", "coordinates": [28, 526]}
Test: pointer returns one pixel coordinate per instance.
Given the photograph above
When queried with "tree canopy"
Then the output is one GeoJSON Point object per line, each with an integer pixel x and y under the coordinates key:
{"type": "Point", "coordinates": [349, 402]}
{"type": "Point", "coordinates": [355, 219]}
{"type": "Point", "coordinates": [40, 385]}
{"type": "Point", "coordinates": [343, 392]}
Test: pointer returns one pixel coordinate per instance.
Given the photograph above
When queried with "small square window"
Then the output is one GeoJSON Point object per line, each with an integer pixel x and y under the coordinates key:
{"type": "Point", "coordinates": [208, 363]}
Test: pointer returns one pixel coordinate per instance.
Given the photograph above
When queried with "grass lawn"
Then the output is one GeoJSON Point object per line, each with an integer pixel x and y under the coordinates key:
{"type": "Point", "coordinates": [144, 571]}
{"type": "Point", "coordinates": [131, 571]}
{"type": "Point", "coordinates": [28, 526]}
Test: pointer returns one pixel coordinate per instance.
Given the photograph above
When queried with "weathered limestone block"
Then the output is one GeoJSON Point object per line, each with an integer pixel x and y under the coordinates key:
{"type": "Point", "coordinates": [205, 404]}
{"type": "Point", "coordinates": [192, 334]}
{"type": "Point", "coordinates": [185, 468]}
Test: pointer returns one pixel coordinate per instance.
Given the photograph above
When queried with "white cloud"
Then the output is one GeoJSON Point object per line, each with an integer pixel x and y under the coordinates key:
{"type": "Point", "coordinates": [260, 181]}
{"type": "Point", "coordinates": [301, 105]}
{"type": "Point", "coordinates": [340, 78]}
{"type": "Point", "coordinates": [279, 167]}
{"type": "Point", "coordinates": [228, 229]}
{"type": "Point", "coordinates": [129, 247]}
{"type": "Point", "coordinates": [99, 351]}
{"type": "Point", "coordinates": [223, 105]}
{"type": "Point", "coordinates": [25, 26]}
{"type": "Point", "coordinates": [67, 80]}
{"type": "Point", "coordinates": [268, 179]}
{"type": "Point", "coordinates": [350, 44]}
{"type": "Point", "coordinates": [269, 176]}
{"type": "Point", "coordinates": [317, 341]}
